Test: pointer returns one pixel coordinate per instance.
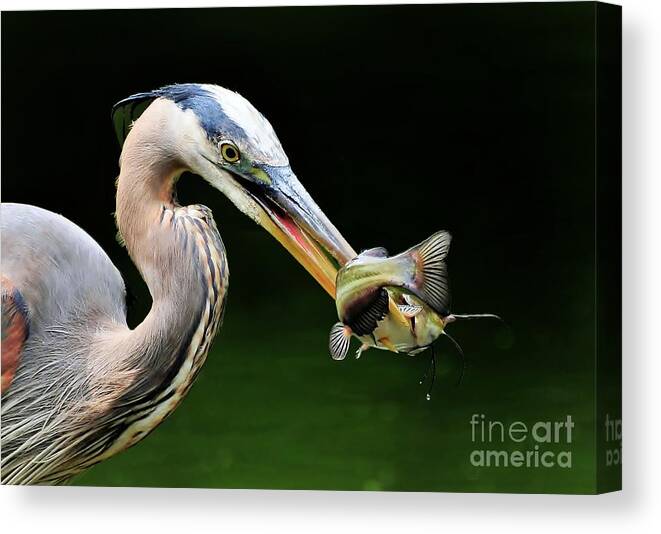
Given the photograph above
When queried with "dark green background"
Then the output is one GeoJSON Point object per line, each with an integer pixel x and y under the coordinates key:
{"type": "Point", "coordinates": [399, 121]}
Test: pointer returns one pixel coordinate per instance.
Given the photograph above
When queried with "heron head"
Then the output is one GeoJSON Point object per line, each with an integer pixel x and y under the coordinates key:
{"type": "Point", "coordinates": [220, 136]}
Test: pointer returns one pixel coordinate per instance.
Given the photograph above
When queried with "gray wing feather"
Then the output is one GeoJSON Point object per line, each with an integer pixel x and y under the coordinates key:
{"type": "Point", "coordinates": [58, 267]}
{"type": "Point", "coordinates": [71, 291]}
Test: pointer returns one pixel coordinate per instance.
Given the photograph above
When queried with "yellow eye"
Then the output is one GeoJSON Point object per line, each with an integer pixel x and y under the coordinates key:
{"type": "Point", "coordinates": [229, 152]}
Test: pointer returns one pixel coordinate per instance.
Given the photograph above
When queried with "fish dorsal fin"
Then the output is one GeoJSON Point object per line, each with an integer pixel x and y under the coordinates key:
{"type": "Point", "coordinates": [409, 310]}
{"type": "Point", "coordinates": [433, 287]}
{"type": "Point", "coordinates": [376, 252]}
{"type": "Point", "coordinates": [366, 321]}
{"type": "Point", "coordinates": [338, 341]}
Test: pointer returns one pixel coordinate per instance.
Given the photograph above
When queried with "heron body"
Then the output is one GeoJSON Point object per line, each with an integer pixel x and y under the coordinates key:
{"type": "Point", "coordinates": [117, 384]}
{"type": "Point", "coordinates": [78, 384]}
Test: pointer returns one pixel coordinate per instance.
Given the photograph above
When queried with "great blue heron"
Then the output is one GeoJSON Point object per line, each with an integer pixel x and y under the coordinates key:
{"type": "Point", "coordinates": [78, 385]}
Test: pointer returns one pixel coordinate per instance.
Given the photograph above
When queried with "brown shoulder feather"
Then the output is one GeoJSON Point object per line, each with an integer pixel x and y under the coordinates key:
{"type": "Point", "coordinates": [15, 331]}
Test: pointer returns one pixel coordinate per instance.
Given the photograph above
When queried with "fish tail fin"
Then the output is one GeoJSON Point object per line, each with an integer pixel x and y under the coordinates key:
{"type": "Point", "coordinates": [432, 284]}
{"type": "Point", "coordinates": [338, 342]}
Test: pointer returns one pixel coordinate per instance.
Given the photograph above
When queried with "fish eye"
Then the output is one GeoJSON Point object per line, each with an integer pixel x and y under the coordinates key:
{"type": "Point", "coordinates": [229, 152]}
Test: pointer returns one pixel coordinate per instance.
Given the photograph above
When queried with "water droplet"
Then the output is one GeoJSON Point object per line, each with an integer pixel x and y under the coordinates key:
{"type": "Point", "coordinates": [428, 396]}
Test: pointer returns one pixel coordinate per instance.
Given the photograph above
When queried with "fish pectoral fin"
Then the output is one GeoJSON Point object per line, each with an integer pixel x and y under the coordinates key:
{"type": "Point", "coordinates": [339, 340]}
{"type": "Point", "coordinates": [409, 310]}
{"type": "Point", "coordinates": [409, 299]}
{"type": "Point", "coordinates": [433, 287]}
{"type": "Point", "coordinates": [396, 315]}
{"type": "Point", "coordinates": [366, 321]}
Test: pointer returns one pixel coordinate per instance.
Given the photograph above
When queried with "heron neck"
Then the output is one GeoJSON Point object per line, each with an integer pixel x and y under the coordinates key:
{"type": "Point", "coordinates": [179, 254]}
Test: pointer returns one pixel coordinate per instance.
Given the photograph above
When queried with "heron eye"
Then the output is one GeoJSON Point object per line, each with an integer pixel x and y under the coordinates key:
{"type": "Point", "coordinates": [229, 152]}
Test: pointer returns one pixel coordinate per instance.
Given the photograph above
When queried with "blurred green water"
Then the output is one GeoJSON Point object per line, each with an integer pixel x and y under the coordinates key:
{"type": "Point", "coordinates": [272, 410]}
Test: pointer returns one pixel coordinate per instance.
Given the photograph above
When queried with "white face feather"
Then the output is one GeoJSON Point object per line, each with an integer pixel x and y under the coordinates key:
{"type": "Point", "coordinates": [257, 129]}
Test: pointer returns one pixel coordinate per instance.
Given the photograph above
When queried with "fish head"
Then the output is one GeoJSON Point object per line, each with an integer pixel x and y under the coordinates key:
{"type": "Point", "coordinates": [409, 325]}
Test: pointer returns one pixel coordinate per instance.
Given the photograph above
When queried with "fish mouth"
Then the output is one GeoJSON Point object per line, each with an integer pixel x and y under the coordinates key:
{"type": "Point", "coordinates": [289, 214]}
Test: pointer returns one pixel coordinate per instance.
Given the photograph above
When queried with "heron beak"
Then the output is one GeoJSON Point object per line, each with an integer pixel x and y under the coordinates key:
{"type": "Point", "coordinates": [274, 198]}
{"type": "Point", "coordinates": [290, 215]}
